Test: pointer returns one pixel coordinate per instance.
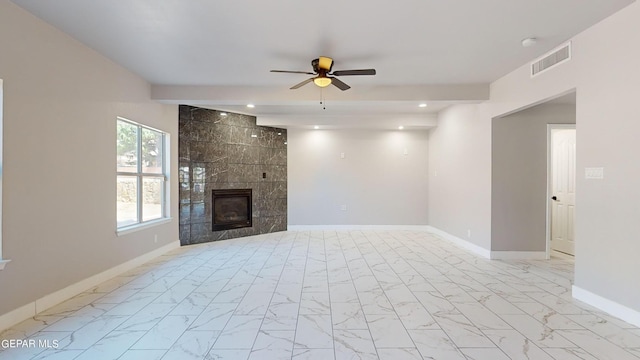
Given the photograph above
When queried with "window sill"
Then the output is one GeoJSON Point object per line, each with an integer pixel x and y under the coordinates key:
{"type": "Point", "coordinates": [3, 263]}
{"type": "Point", "coordinates": [137, 227]}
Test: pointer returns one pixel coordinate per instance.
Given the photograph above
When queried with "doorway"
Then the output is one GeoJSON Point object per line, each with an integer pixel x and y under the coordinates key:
{"type": "Point", "coordinates": [561, 189]}
{"type": "Point", "coordinates": [520, 207]}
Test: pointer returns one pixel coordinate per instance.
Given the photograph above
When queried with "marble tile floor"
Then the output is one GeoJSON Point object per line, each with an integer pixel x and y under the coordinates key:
{"type": "Point", "coordinates": [329, 295]}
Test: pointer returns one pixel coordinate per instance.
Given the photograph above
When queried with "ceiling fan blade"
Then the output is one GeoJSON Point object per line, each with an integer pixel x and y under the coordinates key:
{"type": "Point", "coordinates": [339, 84]}
{"type": "Point", "coordinates": [301, 84]}
{"type": "Point", "coordinates": [354, 72]}
{"type": "Point", "coordinates": [293, 72]}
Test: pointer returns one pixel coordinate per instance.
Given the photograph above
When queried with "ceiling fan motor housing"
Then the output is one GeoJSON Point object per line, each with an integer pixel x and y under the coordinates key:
{"type": "Point", "coordinates": [320, 66]}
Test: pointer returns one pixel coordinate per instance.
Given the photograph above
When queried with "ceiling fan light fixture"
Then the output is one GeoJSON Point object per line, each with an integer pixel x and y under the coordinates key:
{"type": "Point", "coordinates": [322, 81]}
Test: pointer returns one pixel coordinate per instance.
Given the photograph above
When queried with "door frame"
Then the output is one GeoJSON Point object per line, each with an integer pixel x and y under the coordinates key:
{"type": "Point", "coordinates": [551, 127]}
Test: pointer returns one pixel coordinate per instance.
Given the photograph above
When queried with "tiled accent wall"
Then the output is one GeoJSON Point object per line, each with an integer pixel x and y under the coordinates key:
{"type": "Point", "coordinates": [229, 152]}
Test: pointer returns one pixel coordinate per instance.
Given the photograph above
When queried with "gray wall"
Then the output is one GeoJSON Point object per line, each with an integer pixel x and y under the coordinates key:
{"type": "Point", "coordinates": [61, 100]}
{"type": "Point", "coordinates": [219, 152]}
{"type": "Point", "coordinates": [378, 183]}
{"type": "Point", "coordinates": [519, 176]}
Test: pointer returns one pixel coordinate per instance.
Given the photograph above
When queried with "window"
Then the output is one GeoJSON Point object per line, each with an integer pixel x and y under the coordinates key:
{"type": "Point", "coordinates": [142, 176]}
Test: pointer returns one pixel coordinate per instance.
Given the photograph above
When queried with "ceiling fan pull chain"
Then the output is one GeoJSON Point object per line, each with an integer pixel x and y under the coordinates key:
{"type": "Point", "coordinates": [322, 100]}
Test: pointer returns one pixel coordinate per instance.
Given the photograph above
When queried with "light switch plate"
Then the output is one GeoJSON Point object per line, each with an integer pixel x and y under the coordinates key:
{"type": "Point", "coordinates": [594, 173]}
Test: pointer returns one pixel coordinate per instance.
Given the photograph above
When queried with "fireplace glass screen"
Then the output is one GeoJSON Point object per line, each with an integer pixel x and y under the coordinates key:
{"type": "Point", "coordinates": [231, 209]}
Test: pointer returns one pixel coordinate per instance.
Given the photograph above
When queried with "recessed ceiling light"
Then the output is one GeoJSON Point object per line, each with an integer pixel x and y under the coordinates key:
{"type": "Point", "coordinates": [251, 106]}
{"type": "Point", "coordinates": [223, 114]}
{"type": "Point", "coordinates": [423, 105]}
{"type": "Point", "coordinates": [316, 127]}
{"type": "Point", "coordinates": [529, 42]}
{"type": "Point", "coordinates": [400, 127]}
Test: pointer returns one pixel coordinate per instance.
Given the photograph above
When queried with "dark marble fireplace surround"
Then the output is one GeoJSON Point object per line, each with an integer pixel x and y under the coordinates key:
{"type": "Point", "coordinates": [229, 152]}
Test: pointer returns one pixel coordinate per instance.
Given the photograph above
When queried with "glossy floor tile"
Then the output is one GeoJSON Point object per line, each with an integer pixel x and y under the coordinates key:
{"type": "Point", "coordinates": [328, 295]}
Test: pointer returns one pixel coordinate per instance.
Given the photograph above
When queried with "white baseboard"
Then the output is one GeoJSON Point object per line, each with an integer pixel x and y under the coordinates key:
{"type": "Point", "coordinates": [514, 255]}
{"type": "Point", "coordinates": [31, 309]}
{"type": "Point", "coordinates": [17, 316]}
{"type": "Point", "coordinates": [355, 227]}
{"type": "Point", "coordinates": [460, 242]}
{"type": "Point", "coordinates": [561, 255]}
{"type": "Point", "coordinates": [497, 255]}
{"type": "Point", "coordinates": [611, 307]}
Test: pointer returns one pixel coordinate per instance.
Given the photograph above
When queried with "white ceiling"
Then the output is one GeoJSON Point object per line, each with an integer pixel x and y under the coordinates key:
{"type": "Point", "coordinates": [198, 52]}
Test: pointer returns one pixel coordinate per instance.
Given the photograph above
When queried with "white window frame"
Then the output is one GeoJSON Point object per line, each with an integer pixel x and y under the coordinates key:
{"type": "Point", "coordinates": [140, 175]}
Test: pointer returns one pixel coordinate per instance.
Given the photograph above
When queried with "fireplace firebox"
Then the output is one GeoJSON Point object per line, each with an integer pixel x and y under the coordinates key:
{"type": "Point", "coordinates": [231, 209]}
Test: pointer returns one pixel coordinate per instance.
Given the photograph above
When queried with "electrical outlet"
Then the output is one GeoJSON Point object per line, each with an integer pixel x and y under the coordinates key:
{"type": "Point", "coordinates": [469, 233]}
{"type": "Point", "coordinates": [341, 155]}
{"type": "Point", "coordinates": [343, 207]}
{"type": "Point", "coordinates": [155, 238]}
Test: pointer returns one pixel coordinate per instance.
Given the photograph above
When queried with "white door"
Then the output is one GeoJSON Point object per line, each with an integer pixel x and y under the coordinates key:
{"type": "Point", "coordinates": [563, 189]}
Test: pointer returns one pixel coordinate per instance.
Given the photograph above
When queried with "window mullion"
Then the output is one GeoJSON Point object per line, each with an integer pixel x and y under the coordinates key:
{"type": "Point", "coordinates": [163, 198]}
{"type": "Point", "coordinates": [139, 175]}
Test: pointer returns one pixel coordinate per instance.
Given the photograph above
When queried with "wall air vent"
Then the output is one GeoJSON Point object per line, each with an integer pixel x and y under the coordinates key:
{"type": "Point", "coordinates": [551, 59]}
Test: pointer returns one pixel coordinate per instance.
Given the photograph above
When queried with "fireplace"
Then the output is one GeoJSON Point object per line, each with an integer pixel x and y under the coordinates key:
{"type": "Point", "coordinates": [231, 209]}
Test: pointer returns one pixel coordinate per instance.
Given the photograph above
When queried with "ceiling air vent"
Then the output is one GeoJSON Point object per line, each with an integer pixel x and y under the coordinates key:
{"type": "Point", "coordinates": [547, 61]}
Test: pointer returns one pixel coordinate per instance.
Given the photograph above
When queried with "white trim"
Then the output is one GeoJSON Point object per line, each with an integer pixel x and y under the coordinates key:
{"type": "Point", "coordinates": [561, 255]}
{"type": "Point", "coordinates": [3, 263]}
{"type": "Point", "coordinates": [512, 255]}
{"type": "Point", "coordinates": [356, 227]}
{"type": "Point", "coordinates": [141, 226]}
{"type": "Point", "coordinates": [139, 124]}
{"type": "Point", "coordinates": [17, 316]}
{"type": "Point", "coordinates": [478, 250]}
{"type": "Point", "coordinates": [31, 309]}
{"type": "Point", "coordinates": [611, 307]}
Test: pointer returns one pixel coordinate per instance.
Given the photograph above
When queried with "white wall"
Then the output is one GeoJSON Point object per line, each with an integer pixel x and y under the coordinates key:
{"type": "Point", "coordinates": [376, 181]}
{"type": "Point", "coordinates": [459, 201]}
{"type": "Point", "coordinates": [61, 100]}
{"type": "Point", "coordinates": [604, 72]}
{"type": "Point", "coordinates": [607, 244]}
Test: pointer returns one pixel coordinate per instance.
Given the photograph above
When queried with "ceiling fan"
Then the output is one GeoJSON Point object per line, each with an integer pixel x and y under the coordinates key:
{"type": "Point", "coordinates": [324, 77]}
